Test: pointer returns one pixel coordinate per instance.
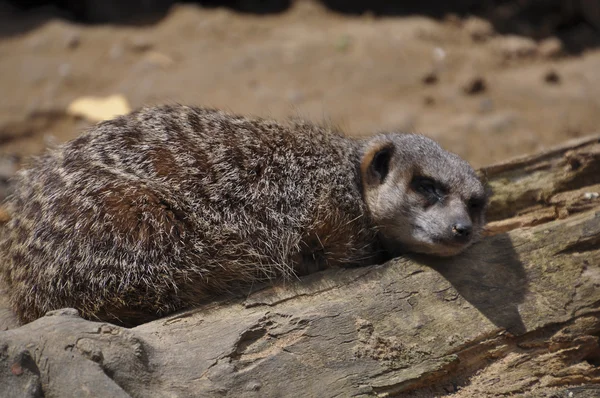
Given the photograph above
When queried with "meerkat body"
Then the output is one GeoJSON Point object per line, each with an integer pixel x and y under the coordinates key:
{"type": "Point", "coordinates": [160, 209]}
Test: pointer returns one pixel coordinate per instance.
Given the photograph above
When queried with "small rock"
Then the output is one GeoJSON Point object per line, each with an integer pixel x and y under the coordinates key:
{"type": "Point", "coordinates": [552, 77]}
{"type": "Point", "coordinates": [439, 54]}
{"type": "Point", "coordinates": [591, 195]}
{"type": "Point", "coordinates": [478, 29]}
{"type": "Point", "coordinates": [516, 47]}
{"type": "Point", "coordinates": [551, 47]}
{"type": "Point", "coordinates": [474, 85]}
{"type": "Point", "coordinates": [72, 40]}
{"type": "Point", "coordinates": [430, 78]}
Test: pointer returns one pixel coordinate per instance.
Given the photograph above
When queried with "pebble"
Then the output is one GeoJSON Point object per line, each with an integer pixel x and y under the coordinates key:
{"type": "Point", "coordinates": [72, 40]}
{"type": "Point", "coordinates": [516, 47]}
{"type": "Point", "coordinates": [551, 47]}
{"type": "Point", "coordinates": [552, 77]}
{"type": "Point", "coordinates": [478, 29]}
{"type": "Point", "coordinates": [474, 85]}
{"type": "Point", "coordinates": [430, 78]}
{"type": "Point", "coordinates": [591, 195]}
{"type": "Point", "coordinates": [439, 54]}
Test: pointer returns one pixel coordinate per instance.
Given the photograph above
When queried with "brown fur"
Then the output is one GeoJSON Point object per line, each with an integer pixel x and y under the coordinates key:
{"type": "Point", "coordinates": [163, 208]}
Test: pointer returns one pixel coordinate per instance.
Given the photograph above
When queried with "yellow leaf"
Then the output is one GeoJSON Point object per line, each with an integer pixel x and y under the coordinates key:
{"type": "Point", "coordinates": [99, 108]}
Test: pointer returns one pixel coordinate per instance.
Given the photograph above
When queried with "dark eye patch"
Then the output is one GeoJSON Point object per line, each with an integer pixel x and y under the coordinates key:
{"type": "Point", "coordinates": [476, 204]}
{"type": "Point", "coordinates": [431, 189]}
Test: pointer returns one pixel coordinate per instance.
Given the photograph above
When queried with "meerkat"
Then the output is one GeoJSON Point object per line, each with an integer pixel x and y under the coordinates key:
{"type": "Point", "coordinates": [166, 207]}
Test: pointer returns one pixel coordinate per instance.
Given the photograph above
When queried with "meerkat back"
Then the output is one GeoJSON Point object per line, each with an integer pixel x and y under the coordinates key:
{"type": "Point", "coordinates": [161, 209]}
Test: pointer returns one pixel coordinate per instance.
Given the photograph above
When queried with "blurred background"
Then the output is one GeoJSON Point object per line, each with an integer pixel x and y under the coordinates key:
{"type": "Point", "coordinates": [488, 79]}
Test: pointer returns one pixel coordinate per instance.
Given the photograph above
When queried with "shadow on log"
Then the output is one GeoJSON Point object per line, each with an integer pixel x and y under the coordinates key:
{"type": "Point", "coordinates": [518, 315]}
{"type": "Point", "coordinates": [491, 278]}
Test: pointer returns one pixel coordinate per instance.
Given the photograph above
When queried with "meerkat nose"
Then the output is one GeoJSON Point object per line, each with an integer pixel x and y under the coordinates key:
{"type": "Point", "coordinates": [462, 231]}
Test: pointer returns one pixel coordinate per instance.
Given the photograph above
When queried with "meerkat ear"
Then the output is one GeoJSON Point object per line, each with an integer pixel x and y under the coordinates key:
{"type": "Point", "coordinates": [375, 164]}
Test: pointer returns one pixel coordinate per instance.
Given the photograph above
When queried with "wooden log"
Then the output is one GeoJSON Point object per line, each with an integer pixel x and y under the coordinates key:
{"type": "Point", "coordinates": [518, 315]}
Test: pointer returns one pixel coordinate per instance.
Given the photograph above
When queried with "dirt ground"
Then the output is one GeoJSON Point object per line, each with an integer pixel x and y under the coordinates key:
{"type": "Point", "coordinates": [485, 95]}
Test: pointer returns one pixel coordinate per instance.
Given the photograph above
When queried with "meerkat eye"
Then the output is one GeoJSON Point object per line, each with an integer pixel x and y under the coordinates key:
{"type": "Point", "coordinates": [429, 188]}
{"type": "Point", "coordinates": [426, 185]}
{"type": "Point", "coordinates": [475, 204]}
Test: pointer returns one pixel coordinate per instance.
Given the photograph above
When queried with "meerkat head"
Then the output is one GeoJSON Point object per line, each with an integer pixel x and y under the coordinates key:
{"type": "Point", "coordinates": [422, 198]}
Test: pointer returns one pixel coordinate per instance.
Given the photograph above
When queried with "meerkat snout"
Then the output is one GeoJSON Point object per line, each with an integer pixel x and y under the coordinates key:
{"type": "Point", "coordinates": [462, 231]}
{"type": "Point", "coordinates": [421, 197]}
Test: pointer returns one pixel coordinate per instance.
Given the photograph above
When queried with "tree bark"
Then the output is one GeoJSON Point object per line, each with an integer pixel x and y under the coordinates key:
{"type": "Point", "coordinates": [518, 314]}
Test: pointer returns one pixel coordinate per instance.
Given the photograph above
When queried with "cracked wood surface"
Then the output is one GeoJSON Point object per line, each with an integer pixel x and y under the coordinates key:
{"type": "Point", "coordinates": [518, 315]}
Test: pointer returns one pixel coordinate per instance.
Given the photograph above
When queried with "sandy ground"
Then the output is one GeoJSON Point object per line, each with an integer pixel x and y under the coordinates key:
{"type": "Point", "coordinates": [483, 95]}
